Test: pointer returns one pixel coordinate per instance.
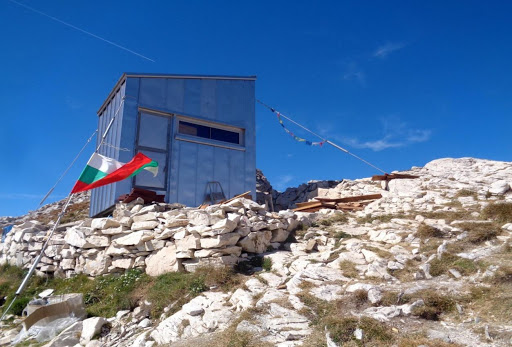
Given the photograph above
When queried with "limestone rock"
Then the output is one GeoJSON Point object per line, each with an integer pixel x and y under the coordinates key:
{"type": "Point", "coordinates": [162, 261]}
{"type": "Point", "coordinates": [134, 238]}
{"type": "Point", "coordinates": [256, 242]}
{"type": "Point", "coordinates": [220, 240]}
{"type": "Point", "coordinates": [90, 328]}
{"type": "Point", "coordinates": [104, 223]}
{"type": "Point", "coordinates": [144, 225]}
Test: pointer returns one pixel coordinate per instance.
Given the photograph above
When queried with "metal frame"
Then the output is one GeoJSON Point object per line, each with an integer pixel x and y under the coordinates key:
{"type": "Point", "coordinates": [136, 75]}
{"type": "Point", "coordinates": [152, 149]}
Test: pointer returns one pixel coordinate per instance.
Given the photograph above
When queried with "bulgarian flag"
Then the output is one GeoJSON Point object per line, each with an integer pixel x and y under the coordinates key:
{"type": "Point", "coordinates": [101, 170]}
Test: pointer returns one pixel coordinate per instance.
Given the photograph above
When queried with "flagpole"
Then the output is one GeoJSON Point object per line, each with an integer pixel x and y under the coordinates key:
{"type": "Point", "coordinates": [57, 222]}
{"type": "Point", "coordinates": [36, 261]}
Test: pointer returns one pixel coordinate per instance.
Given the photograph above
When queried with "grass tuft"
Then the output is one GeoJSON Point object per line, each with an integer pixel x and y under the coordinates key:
{"type": "Point", "coordinates": [499, 212]}
{"type": "Point", "coordinates": [267, 264]}
{"type": "Point", "coordinates": [336, 219]}
{"type": "Point", "coordinates": [435, 304]}
{"type": "Point", "coordinates": [382, 218]}
{"type": "Point", "coordinates": [349, 269]}
{"type": "Point", "coordinates": [480, 232]}
{"type": "Point", "coordinates": [466, 193]}
{"type": "Point", "coordinates": [451, 261]}
{"type": "Point", "coordinates": [427, 231]}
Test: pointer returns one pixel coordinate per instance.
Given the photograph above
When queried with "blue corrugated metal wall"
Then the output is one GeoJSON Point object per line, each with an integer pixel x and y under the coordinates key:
{"type": "Point", "coordinates": [104, 197]}
{"type": "Point", "coordinates": [190, 165]}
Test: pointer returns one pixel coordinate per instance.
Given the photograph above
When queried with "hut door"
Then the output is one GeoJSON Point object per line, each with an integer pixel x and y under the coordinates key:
{"type": "Point", "coordinates": [153, 140]}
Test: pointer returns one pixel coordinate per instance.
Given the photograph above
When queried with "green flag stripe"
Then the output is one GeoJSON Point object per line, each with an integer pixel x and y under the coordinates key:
{"type": "Point", "coordinates": [151, 164]}
{"type": "Point", "coordinates": [90, 175]}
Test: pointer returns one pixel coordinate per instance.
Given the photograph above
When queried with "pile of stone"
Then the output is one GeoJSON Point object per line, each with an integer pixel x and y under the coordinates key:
{"type": "Point", "coordinates": [291, 196]}
{"type": "Point", "coordinates": [156, 238]}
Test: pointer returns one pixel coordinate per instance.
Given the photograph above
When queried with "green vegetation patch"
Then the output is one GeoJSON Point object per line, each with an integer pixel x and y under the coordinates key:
{"type": "Point", "coordinates": [435, 304]}
{"type": "Point", "coordinates": [480, 232]}
{"type": "Point", "coordinates": [448, 261]}
{"type": "Point", "coordinates": [106, 295]}
{"type": "Point", "coordinates": [342, 330]}
{"type": "Point", "coordinates": [267, 264]}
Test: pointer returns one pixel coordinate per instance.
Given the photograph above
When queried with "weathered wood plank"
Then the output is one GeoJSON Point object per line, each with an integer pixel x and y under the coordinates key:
{"type": "Point", "coordinates": [388, 177]}
{"type": "Point", "coordinates": [351, 198]}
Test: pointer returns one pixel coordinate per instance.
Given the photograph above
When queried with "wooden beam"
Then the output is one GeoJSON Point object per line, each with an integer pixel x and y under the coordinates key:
{"type": "Point", "coordinates": [351, 198]}
{"type": "Point", "coordinates": [388, 177]}
{"type": "Point", "coordinates": [246, 195]}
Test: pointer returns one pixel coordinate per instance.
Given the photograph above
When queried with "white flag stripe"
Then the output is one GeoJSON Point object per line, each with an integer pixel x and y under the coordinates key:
{"type": "Point", "coordinates": [104, 164]}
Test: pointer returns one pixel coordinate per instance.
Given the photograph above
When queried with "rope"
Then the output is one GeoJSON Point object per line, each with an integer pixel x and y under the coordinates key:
{"type": "Point", "coordinates": [69, 167]}
{"type": "Point", "coordinates": [114, 147]}
{"type": "Point", "coordinates": [327, 141]}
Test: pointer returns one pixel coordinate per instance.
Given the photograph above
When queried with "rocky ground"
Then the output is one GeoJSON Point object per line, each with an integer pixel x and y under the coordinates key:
{"type": "Point", "coordinates": [430, 263]}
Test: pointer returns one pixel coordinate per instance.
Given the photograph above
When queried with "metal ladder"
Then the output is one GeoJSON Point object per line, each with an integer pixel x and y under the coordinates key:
{"type": "Point", "coordinates": [213, 193]}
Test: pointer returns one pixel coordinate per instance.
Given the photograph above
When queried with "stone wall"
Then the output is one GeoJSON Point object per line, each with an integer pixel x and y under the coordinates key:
{"type": "Point", "coordinates": [155, 238]}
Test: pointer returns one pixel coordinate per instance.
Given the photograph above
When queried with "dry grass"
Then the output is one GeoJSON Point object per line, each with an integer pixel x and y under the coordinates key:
{"type": "Point", "coordinates": [407, 273]}
{"type": "Point", "coordinates": [480, 232]}
{"type": "Point", "coordinates": [415, 340]}
{"type": "Point", "coordinates": [382, 218]}
{"type": "Point", "coordinates": [448, 261]}
{"type": "Point", "coordinates": [436, 303]}
{"type": "Point", "coordinates": [379, 251]}
{"type": "Point", "coordinates": [466, 193]}
{"type": "Point", "coordinates": [349, 269]}
{"type": "Point", "coordinates": [427, 231]}
{"type": "Point", "coordinates": [394, 298]}
{"type": "Point", "coordinates": [337, 219]}
{"type": "Point", "coordinates": [360, 297]}
{"type": "Point", "coordinates": [448, 216]}
{"type": "Point", "coordinates": [74, 213]}
{"type": "Point", "coordinates": [500, 212]}
{"type": "Point", "coordinates": [493, 302]}
{"type": "Point", "coordinates": [342, 330]}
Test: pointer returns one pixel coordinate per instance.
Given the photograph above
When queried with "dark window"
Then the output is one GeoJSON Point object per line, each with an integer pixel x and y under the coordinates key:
{"type": "Point", "coordinates": [206, 132]}
{"type": "Point", "coordinates": [225, 135]}
{"type": "Point", "coordinates": [194, 130]}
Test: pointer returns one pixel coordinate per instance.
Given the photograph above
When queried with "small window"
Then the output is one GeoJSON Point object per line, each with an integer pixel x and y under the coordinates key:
{"type": "Point", "coordinates": [187, 128]}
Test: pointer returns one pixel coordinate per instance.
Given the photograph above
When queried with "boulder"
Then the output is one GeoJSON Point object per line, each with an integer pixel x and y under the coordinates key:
{"type": "Point", "coordinates": [150, 216]}
{"type": "Point", "coordinates": [123, 263]}
{"type": "Point", "coordinates": [134, 238]}
{"type": "Point", "coordinates": [191, 241]}
{"type": "Point", "coordinates": [97, 266]}
{"type": "Point", "coordinates": [220, 240]}
{"type": "Point", "coordinates": [162, 261]}
{"type": "Point", "coordinates": [499, 187]}
{"type": "Point", "coordinates": [104, 223]}
{"type": "Point", "coordinates": [97, 241]}
{"type": "Point", "coordinates": [145, 225]}
{"type": "Point", "coordinates": [279, 235]}
{"type": "Point", "coordinates": [75, 237]}
{"type": "Point", "coordinates": [90, 328]}
{"type": "Point", "coordinates": [256, 242]}
{"type": "Point", "coordinates": [198, 218]}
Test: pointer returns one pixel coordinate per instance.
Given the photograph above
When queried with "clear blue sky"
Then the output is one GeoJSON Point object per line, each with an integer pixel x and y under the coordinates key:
{"type": "Point", "coordinates": [398, 83]}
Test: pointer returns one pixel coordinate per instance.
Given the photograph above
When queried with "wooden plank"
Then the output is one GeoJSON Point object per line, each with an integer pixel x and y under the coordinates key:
{"type": "Point", "coordinates": [309, 203]}
{"type": "Point", "coordinates": [351, 198]}
{"type": "Point", "coordinates": [388, 177]}
{"type": "Point", "coordinates": [245, 195]}
{"type": "Point", "coordinates": [318, 206]}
